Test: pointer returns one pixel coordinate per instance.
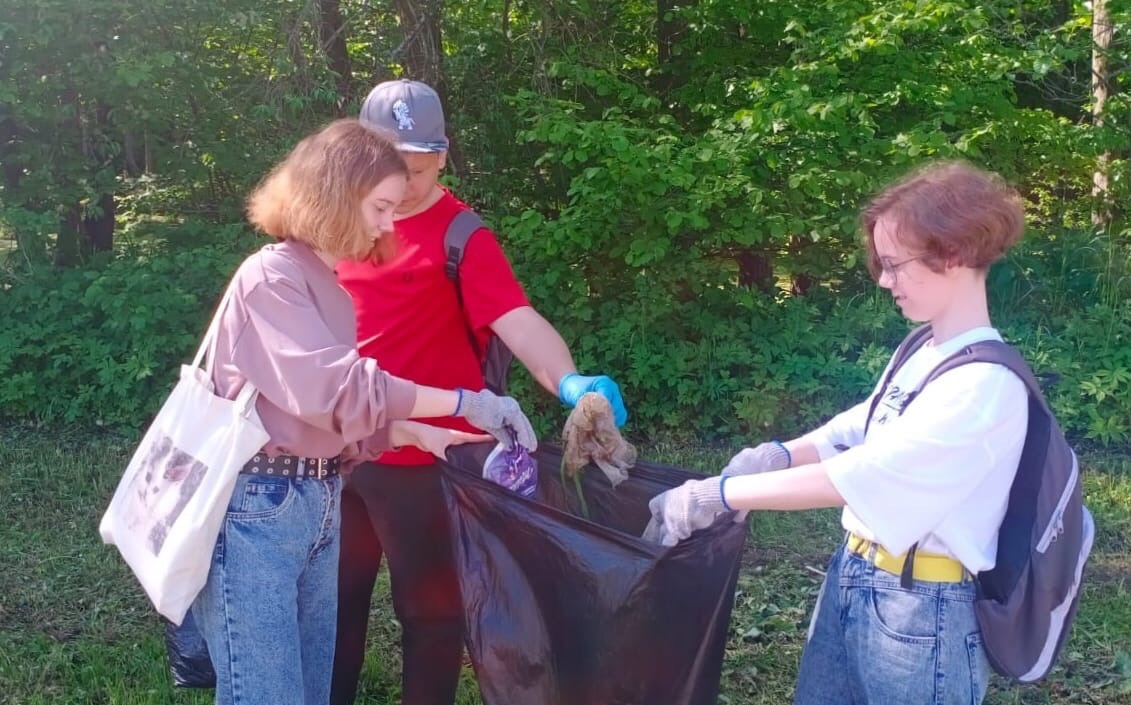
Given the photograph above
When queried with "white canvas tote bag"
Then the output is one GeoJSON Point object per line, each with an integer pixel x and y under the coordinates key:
{"type": "Point", "coordinates": [170, 503]}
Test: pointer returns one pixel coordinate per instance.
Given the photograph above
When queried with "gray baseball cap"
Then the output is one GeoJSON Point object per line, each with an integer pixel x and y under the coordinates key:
{"type": "Point", "coordinates": [412, 110]}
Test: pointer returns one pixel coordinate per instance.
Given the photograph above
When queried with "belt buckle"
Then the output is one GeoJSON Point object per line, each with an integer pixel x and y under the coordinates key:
{"type": "Point", "coordinates": [322, 470]}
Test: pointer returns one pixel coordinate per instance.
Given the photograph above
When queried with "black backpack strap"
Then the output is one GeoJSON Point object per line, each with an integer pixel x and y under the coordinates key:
{"type": "Point", "coordinates": [458, 233]}
{"type": "Point", "coordinates": [914, 340]}
{"type": "Point", "coordinates": [994, 352]}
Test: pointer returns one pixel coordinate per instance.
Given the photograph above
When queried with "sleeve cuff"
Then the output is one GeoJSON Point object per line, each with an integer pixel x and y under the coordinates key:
{"type": "Point", "coordinates": [400, 397]}
{"type": "Point", "coordinates": [825, 448]}
{"type": "Point", "coordinates": [860, 497]}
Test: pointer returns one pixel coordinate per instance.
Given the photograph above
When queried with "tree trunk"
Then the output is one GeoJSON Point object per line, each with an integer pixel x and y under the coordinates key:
{"type": "Point", "coordinates": [98, 231]}
{"type": "Point", "coordinates": [1061, 11]}
{"type": "Point", "coordinates": [672, 73]}
{"type": "Point", "coordinates": [666, 32]}
{"type": "Point", "coordinates": [1101, 82]}
{"type": "Point", "coordinates": [293, 28]}
{"type": "Point", "coordinates": [755, 269]}
{"type": "Point", "coordinates": [800, 282]}
{"type": "Point", "coordinates": [332, 36]}
{"type": "Point", "coordinates": [129, 155]}
{"type": "Point", "coordinates": [11, 171]}
{"type": "Point", "coordinates": [420, 23]}
{"type": "Point", "coordinates": [70, 214]}
{"type": "Point", "coordinates": [70, 234]}
{"type": "Point", "coordinates": [11, 168]}
{"type": "Point", "coordinates": [423, 59]}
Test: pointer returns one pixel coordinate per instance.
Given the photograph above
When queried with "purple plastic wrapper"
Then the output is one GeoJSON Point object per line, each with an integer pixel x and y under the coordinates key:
{"type": "Point", "coordinates": [512, 468]}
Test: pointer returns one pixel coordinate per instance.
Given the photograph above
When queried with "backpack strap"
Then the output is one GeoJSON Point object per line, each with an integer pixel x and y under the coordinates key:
{"type": "Point", "coordinates": [459, 231]}
{"type": "Point", "coordinates": [991, 351]}
{"type": "Point", "coordinates": [914, 340]}
{"type": "Point", "coordinates": [996, 352]}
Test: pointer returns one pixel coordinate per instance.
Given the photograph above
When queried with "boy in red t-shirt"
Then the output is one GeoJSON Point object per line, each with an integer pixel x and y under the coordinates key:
{"type": "Point", "coordinates": [409, 318]}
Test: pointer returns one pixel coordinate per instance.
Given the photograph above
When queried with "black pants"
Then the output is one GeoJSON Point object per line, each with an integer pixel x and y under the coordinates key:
{"type": "Point", "coordinates": [399, 511]}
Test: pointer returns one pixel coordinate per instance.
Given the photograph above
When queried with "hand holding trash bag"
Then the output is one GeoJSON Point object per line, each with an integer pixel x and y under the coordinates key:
{"type": "Point", "coordinates": [682, 510]}
{"type": "Point", "coordinates": [434, 439]}
{"type": "Point", "coordinates": [499, 416]}
{"type": "Point", "coordinates": [573, 386]}
{"type": "Point", "coordinates": [765, 457]}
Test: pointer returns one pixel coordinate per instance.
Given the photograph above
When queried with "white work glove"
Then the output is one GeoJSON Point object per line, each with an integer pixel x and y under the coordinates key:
{"type": "Point", "coordinates": [499, 416]}
{"type": "Point", "coordinates": [764, 457]}
{"type": "Point", "coordinates": [678, 512]}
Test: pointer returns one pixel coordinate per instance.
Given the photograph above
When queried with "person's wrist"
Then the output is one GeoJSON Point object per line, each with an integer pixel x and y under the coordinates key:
{"type": "Point", "coordinates": [400, 435]}
{"type": "Point", "coordinates": [723, 493]}
{"type": "Point", "coordinates": [788, 455]}
{"type": "Point", "coordinates": [563, 384]}
{"type": "Point", "coordinates": [708, 494]}
{"type": "Point", "coordinates": [459, 401]}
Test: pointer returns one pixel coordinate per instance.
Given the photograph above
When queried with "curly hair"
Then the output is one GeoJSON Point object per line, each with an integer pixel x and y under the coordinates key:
{"type": "Point", "coordinates": [951, 212]}
{"type": "Point", "coordinates": [314, 194]}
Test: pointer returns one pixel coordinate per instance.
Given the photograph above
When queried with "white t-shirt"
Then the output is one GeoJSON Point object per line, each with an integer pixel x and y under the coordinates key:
{"type": "Point", "coordinates": [940, 473]}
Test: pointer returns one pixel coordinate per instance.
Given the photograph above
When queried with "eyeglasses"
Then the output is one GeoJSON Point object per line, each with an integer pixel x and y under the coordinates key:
{"type": "Point", "coordinates": [892, 268]}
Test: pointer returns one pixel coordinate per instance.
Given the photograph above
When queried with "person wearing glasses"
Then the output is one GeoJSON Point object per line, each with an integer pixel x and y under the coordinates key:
{"type": "Point", "coordinates": [935, 477]}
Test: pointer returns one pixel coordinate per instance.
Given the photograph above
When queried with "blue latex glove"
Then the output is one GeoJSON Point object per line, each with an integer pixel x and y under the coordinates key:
{"type": "Point", "coordinates": [574, 385]}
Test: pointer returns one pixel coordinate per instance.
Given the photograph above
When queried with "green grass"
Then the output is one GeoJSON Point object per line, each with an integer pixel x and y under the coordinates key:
{"type": "Point", "coordinates": [75, 628]}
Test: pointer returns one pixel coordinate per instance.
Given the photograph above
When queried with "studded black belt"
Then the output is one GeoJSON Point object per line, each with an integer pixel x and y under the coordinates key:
{"type": "Point", "coordinates": [293, 466]}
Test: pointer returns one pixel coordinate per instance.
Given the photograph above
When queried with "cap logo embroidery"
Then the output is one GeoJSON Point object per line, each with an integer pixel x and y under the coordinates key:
{"type": "Point", "coordinates": [400, 112]}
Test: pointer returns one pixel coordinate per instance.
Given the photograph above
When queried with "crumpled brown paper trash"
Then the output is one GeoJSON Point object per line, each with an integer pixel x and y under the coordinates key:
{"type": "Point", "coordinates": [591, 436]}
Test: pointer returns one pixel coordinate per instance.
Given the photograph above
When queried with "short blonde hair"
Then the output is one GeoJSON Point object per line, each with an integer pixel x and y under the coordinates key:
{"type": "Point", "coordinates": [314, 194]}
{"type": "Point", "coordinates": [949, 211]}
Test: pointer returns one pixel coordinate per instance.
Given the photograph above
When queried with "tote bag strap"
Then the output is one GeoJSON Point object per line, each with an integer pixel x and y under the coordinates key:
{"type": "Point", "coordinates": [208, 343]}
{"type": "Point", "coordinates": [245, 400]}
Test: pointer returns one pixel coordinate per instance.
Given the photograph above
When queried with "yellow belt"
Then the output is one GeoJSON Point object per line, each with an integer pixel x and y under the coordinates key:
{"type": "Point", "coordinates": [931, 567]}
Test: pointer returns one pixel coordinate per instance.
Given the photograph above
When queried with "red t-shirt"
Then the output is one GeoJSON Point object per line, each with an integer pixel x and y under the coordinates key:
{"type": "Point", "coordinates": [408, 315]}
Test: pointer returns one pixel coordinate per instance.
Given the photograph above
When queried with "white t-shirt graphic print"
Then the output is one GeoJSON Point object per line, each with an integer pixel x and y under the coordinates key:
{"type": "Point", "coordinates": [938, 473]}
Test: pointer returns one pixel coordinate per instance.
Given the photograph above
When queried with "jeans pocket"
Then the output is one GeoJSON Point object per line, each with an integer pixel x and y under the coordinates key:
{"type": "Point", "coordinates": [979, 667]}
{"type": "Point", "coordinates": [905, 615]}
{"type": "Point", "coordinates": [260, 497]}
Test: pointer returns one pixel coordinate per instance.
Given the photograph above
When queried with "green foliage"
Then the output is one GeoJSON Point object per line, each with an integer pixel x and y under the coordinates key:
{"type": "Point", "coordinates": [1090, 353]}
{"type": "Point", "coordinates": [678, 192]}
{"type": "Point", "coordinates": [101, 345]}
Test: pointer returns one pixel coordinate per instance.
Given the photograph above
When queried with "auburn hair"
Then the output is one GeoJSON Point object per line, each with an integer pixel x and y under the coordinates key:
{"type": "Point", "coordinates": [951, 212]}
{"type": "Point", "coordinates": [314, 194]}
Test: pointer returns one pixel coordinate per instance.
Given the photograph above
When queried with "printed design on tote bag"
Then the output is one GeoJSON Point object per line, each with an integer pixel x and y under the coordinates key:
{"type": "Point", "coordinates": [160, 490]}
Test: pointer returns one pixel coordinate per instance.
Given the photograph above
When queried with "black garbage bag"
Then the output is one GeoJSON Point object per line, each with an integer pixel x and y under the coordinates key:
{"type": "Point", "coordinates": [189, 663]}
{"type": "Point", "coordinates": [564, 610]}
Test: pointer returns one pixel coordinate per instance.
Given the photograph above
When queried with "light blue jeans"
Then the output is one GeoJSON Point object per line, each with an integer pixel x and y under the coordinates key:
{"type": "Point", "coordinates": [873, 643]}
{"type": "Point", "coordinates": [269, 609]}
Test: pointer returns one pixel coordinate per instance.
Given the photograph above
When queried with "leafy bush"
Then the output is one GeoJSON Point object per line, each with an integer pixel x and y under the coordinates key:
{"type": "Point", "coordinates": [101, 345]}
{"type": "Point", "coordinates": [1087, 359]}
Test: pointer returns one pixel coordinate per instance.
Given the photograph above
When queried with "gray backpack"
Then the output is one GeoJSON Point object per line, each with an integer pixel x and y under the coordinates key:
{"type": "Point", "coordinates": [496, 360]}
{"type": "Point", "coordinates": [1027, 602]}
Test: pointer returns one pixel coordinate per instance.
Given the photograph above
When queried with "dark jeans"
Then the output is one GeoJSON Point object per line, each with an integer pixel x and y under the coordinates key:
{"type": "Point", "coordinates": [399, 511]}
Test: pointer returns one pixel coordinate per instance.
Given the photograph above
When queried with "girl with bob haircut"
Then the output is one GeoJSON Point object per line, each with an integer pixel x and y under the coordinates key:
{"type": "Point", "coordinates": [268, 610]}
{"type": "Point", "coordinates": [936, 477]}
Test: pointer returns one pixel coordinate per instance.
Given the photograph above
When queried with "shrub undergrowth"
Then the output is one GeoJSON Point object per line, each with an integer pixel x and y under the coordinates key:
{"type": "Point", "coordinates": [100, 345]}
